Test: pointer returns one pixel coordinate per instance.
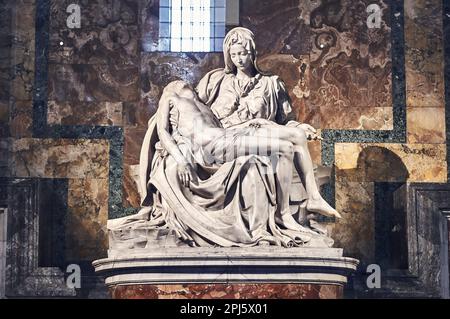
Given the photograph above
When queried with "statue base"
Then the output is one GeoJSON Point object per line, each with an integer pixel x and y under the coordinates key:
{"type": "Point", "coordinates": [227, 291]}
{"type": "Point", "coordinates": [251, 272]}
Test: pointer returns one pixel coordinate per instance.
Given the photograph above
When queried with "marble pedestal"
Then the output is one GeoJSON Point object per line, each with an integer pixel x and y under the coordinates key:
{"type": "Point", "coordinates": [256, 272]}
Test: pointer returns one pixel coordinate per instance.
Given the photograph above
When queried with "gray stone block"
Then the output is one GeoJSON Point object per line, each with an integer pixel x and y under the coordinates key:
{"type": "Point", "coordinates": [427, 209]}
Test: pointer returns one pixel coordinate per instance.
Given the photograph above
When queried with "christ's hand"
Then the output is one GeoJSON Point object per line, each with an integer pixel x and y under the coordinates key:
{"type": "Point", "coordinates": [311, 132]}
{"type": "Point", "coordinates": [185, 173]}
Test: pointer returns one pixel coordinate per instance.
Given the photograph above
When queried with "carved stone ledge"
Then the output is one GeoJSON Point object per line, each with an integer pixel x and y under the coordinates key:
{"type": "Point", "coordinates": [225, 266]}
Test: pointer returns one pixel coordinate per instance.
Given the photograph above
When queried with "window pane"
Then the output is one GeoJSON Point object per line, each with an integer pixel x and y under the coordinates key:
{"type": "Point", "coordinates": [219, 15]}
{"type": "Point", "coordinates": [192, 25]}
{"type": "Point", "coordinates": [212, 14]}
{"type": "Point", "coordinates": [206, 45]}
{"type": "Point", "coordinates": [219, 30]}
{"type": "Point", "coordinates": [212, 29]}
{"type": "Point", "coordinates": [219, 3]}
{"type": "Point", "coordinates": [176, 16]}
{"type": "Point", "coordinates": [218, 44]}
{"type": "Point", "coordinates": [186, 22]}
{"type": "Point", "coordinates": [175, 30]}
{"type": "Point", "coordinates": [186, 45]}
{"type": "Point", "coordinates": [175, 45]}
{"type": "Point", "coordinates": [164, 30]}
{"type": "Point", "coordinates": [176, 4]}
{"type": "Point", "coordinates": [164, 3]}
{"type": "Point", "coordinates": [164, 15]}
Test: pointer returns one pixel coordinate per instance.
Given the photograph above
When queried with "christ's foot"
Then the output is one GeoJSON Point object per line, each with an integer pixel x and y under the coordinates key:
{"type": "Point", "coordinates": [320, 206]}
{"type": "Point", "coordinates": [289, 222]}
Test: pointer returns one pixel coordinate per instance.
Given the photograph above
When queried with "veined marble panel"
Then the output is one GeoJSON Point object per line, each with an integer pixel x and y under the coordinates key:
{"type": "Point", "coordinates": [59, 158]}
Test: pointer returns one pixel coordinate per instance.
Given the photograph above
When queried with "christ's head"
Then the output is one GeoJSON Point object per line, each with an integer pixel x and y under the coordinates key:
{"type": "Point", "coordinates": [179, 88]}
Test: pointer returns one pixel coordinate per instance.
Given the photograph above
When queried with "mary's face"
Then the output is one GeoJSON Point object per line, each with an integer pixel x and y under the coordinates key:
{"type": "Point", "coordinates": [241, 57]}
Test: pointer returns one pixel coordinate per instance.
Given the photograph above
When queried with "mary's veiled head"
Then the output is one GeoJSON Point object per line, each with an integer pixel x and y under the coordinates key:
{"type": "Point", "coordinates": [239, 36]}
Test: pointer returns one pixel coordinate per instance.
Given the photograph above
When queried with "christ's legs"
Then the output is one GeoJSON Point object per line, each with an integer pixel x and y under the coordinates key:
{"type": "Point", "coordinates": [262, 145]}
{"type": "Point", "coordinates": [267, 146]}
{"type": "Point", "coordinates": [285, 150]}
{"type": "Point", "coordinates": [303, 165]}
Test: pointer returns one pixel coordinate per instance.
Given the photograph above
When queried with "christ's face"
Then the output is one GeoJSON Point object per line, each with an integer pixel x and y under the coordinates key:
{"type": "Point", "coordinates": [240, 56]}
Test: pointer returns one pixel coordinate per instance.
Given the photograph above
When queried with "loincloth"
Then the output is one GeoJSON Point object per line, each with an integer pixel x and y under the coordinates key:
{"type": "Point", "coordinates": [227, 146]}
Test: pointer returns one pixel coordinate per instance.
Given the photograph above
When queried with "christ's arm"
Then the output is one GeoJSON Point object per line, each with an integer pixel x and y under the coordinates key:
{"type": "Point", "coordinates": [163, 126]}
{"type": "Point", "coordinates": [184, 169]}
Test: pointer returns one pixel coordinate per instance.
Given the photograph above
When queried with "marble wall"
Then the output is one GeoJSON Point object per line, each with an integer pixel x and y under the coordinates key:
{"type": "Point", "coordinates": [421, 157]}
{"type": "Point", "coordinates": [102, 78]}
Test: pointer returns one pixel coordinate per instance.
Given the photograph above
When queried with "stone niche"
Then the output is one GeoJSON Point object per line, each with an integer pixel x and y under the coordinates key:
{"type": "Point", "coordinates": [427, 208]}
{"type": "Point", "coordinates": [29, 257]}
{"type": "Point", "coordinates": [33, 222]}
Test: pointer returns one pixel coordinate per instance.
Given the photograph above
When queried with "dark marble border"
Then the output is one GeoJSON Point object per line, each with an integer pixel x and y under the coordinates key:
{"type": "Point", "coordinates": [398, 133]}
{"type": "Point", "coordinates": [446, 29]}
{"type": "Point", "coordinates": [41, 129]}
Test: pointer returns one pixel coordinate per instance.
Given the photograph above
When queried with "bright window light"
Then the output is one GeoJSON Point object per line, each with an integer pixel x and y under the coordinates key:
{"type": "Point", "coordinates": [191, 25]}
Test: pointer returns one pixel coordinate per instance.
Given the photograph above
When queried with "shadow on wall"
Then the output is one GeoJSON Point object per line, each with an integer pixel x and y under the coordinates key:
{"type": "Point", "coordinates": [377, 164]}
{"type": "Point", "coordinates": [371, 229]}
